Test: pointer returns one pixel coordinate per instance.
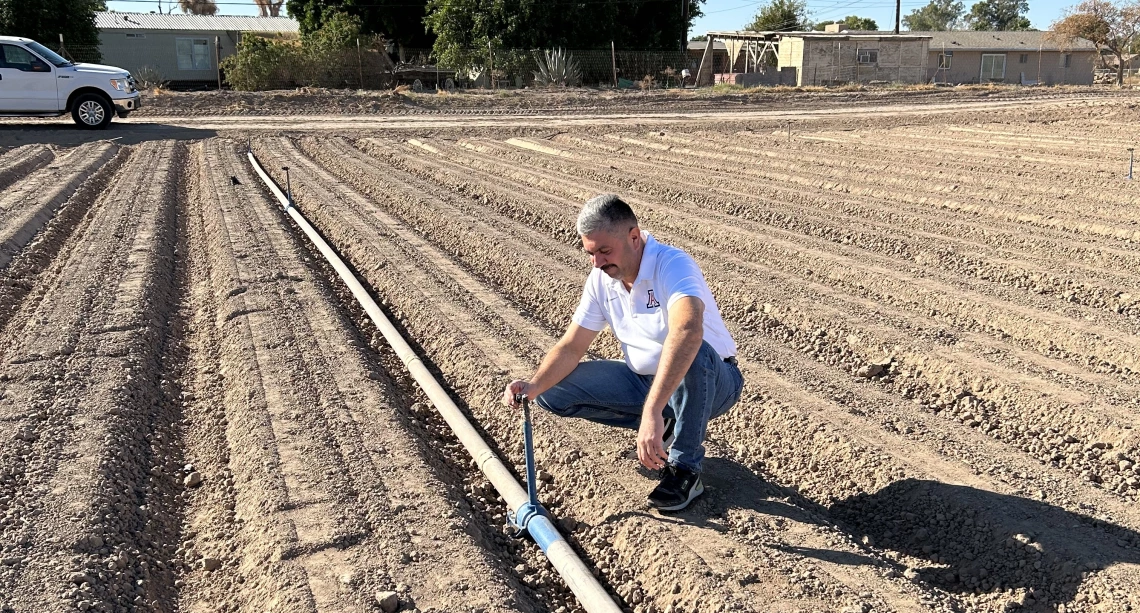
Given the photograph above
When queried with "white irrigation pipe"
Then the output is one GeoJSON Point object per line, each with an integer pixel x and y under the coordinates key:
{"type": "Point", "coordinates": [578, 577]}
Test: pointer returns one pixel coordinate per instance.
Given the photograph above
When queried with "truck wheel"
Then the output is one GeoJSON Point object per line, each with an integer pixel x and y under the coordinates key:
{"type": "Point", "coordinates": [91, 112]}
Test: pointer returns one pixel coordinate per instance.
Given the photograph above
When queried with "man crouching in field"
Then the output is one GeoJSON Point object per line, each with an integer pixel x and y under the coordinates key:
{"type": "Point", "coordinates": [680, 367]}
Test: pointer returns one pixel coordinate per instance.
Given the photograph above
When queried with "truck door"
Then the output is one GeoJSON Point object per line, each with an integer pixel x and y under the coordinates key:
{"type": "Point", "coordinates": [27, 83]}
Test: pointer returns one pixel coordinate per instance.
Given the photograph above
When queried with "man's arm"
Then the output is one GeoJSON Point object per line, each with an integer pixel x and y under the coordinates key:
{"type": "Point", "coordinates": [686, 331]}
{"type": "Point", "coordinates": [559, 362]}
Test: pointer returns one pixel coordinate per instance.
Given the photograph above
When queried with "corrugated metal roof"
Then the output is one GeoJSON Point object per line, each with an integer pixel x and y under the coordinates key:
{"type": "Point", "coordinates": [1003, 41]}
{"type": "Point", "coordinates": [994, 41]}
{"type": "Point", "coordinates": [200, 23]}
{"type": "Point", "coordinates": [699, 45]}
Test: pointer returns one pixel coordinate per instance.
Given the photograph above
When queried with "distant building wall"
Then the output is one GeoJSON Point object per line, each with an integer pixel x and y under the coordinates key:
{"type": "Point", "coordinates": [771, 76]}
{"type": "Point", "coordinates": [1021, 66]}
{"type": "Point", "coordinates": [792, 55]}
{"type": "Point", "coordinates": [834, 59]}
{"type": "Point", "coordinates": [179, 55]}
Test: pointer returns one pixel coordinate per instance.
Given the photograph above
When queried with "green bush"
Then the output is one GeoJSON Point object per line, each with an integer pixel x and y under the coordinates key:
{"type": "Point", "coordinates": [261, 64]}
{"type": "Point", "coordinates": [327, 57]}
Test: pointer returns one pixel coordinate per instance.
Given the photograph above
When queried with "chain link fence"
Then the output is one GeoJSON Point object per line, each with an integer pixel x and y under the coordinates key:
{"type": "Point", "coordinates": [419, 70]}
{"type": "Point", "coordinates": [286, 65]}
{"type": "Point", "coordinates": [87, 54]}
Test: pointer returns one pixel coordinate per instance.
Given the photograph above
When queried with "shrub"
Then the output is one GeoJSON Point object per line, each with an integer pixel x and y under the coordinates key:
{"type": "Point", "coordinates": [149, 77]}
{"type": "Point", "coordinates": [260, 63]}
{"type": "Point", "coordinates": [557, 68]}
{"type": "Point", "coordinates": [327, 57]}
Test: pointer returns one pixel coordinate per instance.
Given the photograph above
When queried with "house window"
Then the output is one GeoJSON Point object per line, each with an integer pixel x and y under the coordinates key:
{"type": "Point", "coordinates": [867, 56]}
{"type": "Point", "coordinates": [136, 35]}
{"type": "Point", "coordinates": [193, 53]}
{"type": "Point", "coordinates": [993, 67]}
{"type": "Point", "coordinates": [1068, 60]}
{"type": "Point", "coordinates": [1023, 58]}
{"type": "Point", "coordinates": [944, 61]}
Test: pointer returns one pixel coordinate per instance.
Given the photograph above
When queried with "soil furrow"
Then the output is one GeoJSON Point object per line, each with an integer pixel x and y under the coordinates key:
{"type": "Point", "coordinates": [1000, 216]}
{"type": "Point", "coordinates": [998, 395]}
{"type": "Point", "coordinates": [346, 481]}
{"type": "Point", "coordinates": [26, 206]}
{"type": "Point", "coordinates": [87, 366]}
{"type": "Point", "coordinates": [706, 550]}
{"type": "Point", "coordinates": [833, 461]}
{"type": "Point", "coordinates": [1029, 274]}
{"type": "Point", "coordinates": [21, 161]}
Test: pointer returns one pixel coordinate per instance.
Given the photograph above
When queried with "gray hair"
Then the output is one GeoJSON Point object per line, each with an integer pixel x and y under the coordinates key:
{"type": "Point", "coordinates": [605, 212]}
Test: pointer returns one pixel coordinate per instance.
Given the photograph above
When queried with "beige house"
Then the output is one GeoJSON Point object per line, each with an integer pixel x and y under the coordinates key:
{"type": "Point", "coordinates": [823, 58]}
{"type": "Point", "coordinates": [814, 58]}
{"type": "Point", "coordinates": [183, 48]}
{"type": "Point", "coordinates": [1009, 57]}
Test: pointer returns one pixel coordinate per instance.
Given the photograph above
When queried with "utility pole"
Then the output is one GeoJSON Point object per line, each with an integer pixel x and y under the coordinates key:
{"type": "Point", "coordinates": [898, 11]}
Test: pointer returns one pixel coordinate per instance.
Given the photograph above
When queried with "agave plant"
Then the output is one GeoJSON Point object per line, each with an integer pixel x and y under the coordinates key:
{"type": "Point", "coordinates": [557, 68]}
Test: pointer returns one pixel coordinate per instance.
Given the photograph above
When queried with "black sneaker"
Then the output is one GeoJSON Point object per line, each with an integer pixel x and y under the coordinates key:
{"type": "Point", "coordinates": [670, 435]}
{"type": "Point", "coordinates": [678, 487]}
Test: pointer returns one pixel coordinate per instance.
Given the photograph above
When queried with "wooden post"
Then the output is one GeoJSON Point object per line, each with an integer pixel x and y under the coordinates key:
{"type": "Point", "coordinates": [613, 62]}
{"type": "Point", "coordinates": [1040, 48]}
{"type": "Point", "coordinates": [218, 60]}
{"type": "Point", "coordinates": [359, 64]}
{"type": "Point", "coordinates": [707, 60]}
{"type": "Point", "coordinates": [491, 64]}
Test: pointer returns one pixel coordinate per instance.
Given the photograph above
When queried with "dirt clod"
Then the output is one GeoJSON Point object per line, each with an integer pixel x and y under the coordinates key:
{"type": "Point", "coordinates": [389, 601]}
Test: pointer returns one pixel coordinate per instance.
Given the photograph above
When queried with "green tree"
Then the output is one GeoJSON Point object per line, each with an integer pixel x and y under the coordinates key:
{"type": "Point", "coordinates": [851, 22]}
{"type": "Point", "coordinates": [999, 15]}
{"type": "Point", "coordinates": [465, 27]}
{"type": "Point", "coordinates": [939, 15]}
{"type": "Point", "coordinates": [44, 20]}
{"type": "Point", "coordinates": [1112, 27]}
{"type": "Point", "coordinates": [198, 7]}
{"type": "Point", "coordinates": [781, 16]}
{"type": "Point", "coordinates": [401, 21]}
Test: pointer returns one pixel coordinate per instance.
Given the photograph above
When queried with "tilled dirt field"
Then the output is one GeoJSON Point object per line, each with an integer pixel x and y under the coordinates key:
{"type": "Point", "coordinates": [938, 327]}
{"type": "Point", "coordinates": [318, 101]}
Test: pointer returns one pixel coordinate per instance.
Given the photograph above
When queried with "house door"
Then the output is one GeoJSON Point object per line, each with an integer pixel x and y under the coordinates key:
{"type": "Point", "coordinates": [993, 67]}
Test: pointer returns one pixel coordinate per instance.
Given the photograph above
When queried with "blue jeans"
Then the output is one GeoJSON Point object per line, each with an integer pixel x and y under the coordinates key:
{"type": "Point", "coordinates": [608, 392]}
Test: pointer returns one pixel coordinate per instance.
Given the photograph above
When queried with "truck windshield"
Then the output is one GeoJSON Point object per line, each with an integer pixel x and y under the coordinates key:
{"type": "Point", "coordinates": [48, 55]}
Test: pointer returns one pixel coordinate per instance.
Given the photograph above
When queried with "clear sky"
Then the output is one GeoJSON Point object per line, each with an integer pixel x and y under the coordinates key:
{"type": "Point", "coordinates": [719, 14]}
{"type": "Point", "coordinates": [735, 14]}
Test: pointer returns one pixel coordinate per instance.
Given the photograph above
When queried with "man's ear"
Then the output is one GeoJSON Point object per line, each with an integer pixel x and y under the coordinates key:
{"type": "Point", "coordinates": [634, 233]}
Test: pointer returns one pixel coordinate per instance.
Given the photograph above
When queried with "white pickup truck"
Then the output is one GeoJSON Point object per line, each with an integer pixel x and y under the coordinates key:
{"type": "Point", "coordinates": [36, 82]}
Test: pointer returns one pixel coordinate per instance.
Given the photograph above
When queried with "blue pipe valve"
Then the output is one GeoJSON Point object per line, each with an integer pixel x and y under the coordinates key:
{"type": "Point", "coordinates": [519, 521]}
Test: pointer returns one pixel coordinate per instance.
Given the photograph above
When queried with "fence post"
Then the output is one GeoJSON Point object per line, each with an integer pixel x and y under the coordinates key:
{"type": "Point", "coordinates": [63, 49]}
{"type": "Point", "coordinates": [613, 62]}
{"type": "Point", "coordinates": [359, 64]}
{"type": "Point", "coordinates": [491, 64]}
{"type": "Point", "coordinates": [218, 60]}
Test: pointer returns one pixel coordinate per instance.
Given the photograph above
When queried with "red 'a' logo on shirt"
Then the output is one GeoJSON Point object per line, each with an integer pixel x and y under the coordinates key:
{"type": "Point", "coordinates": [652, 304]}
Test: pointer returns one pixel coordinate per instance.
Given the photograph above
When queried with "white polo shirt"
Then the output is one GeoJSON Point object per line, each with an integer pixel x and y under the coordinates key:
{"type": "Point", "coordinates": [640, 317]}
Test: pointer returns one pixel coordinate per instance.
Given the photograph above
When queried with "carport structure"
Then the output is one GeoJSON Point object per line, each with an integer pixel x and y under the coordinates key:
{"type": "Point", "coordinates": [755, 45]}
